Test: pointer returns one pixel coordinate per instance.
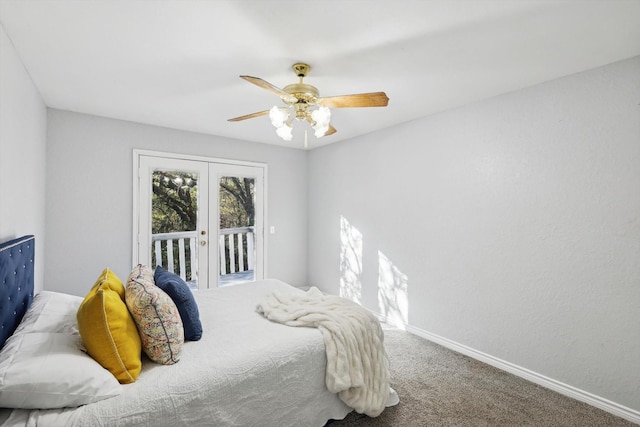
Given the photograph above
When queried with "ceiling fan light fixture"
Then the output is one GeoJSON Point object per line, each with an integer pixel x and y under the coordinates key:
{"type": "Point", "coordinates": [285, 132]}
{"type": "Point", "coordinates": [321, 116]}
{"type": "Point", "coordinates": [320, 131]}
{"type": "Point", "coordinates": [278, 116]}
{"type": "Point", "coordinates": [320, 119]}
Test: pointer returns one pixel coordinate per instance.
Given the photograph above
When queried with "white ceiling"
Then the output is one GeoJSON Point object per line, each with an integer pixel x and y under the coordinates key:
{"type": "Point", "coordinates": [176, 63]}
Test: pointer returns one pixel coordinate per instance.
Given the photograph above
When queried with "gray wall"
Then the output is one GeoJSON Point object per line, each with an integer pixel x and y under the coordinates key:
{"type": "Point", "coordinates": [90, 191]}
{"type": "Point", "coordinates": [510, 226]}
{"type": "Point", "coordinates": [23, 122]}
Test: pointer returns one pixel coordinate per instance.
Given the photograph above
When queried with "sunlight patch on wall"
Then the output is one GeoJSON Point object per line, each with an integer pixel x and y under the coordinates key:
{"type": "Point", "coordinates": [350, 261]}
{"type": "Point", "coordinates": [393, 299]}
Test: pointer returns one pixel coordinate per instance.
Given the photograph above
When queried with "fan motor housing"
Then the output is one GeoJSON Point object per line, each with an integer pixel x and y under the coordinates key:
{"type": "Point", "coordinates": [304, 92]}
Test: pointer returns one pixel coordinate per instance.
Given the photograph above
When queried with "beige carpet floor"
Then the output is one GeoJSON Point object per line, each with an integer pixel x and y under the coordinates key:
{"type": "Point", "coordinates": [439, 387]}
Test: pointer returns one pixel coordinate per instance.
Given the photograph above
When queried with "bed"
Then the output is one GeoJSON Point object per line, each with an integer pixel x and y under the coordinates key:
{"type": "Point", "coordinates": [244, 371]}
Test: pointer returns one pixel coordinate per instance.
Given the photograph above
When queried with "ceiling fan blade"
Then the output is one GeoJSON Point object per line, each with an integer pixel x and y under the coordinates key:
{"type": "Point", "coordinates": [373, 99]}
{"type": "Point", "coordinates": [249, 116]}
{"type": "Point", "coordinates": [271, 88]}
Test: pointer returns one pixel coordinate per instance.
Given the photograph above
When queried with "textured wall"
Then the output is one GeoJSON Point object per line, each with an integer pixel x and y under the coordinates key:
{"type": "Point", "coordinates": [511, 226]}
{"type": "Point", "coordinates": [23, 121]}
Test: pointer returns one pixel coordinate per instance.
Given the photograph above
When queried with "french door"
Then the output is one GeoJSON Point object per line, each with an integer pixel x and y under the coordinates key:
{"type": "Point", "coordinates": [202, 219]}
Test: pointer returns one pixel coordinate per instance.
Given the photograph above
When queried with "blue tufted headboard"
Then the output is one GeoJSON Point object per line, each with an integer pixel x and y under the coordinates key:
{"type": "Point", "coordinates": [16, 283]}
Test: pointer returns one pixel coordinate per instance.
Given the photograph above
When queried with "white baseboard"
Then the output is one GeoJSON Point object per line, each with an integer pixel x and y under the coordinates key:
{"type": "Point", "coordinates": [565, 389]}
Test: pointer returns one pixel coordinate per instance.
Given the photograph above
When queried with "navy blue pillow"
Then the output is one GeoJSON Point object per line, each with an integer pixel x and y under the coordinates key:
{"type": "Point", "coordinates": [181, 295]}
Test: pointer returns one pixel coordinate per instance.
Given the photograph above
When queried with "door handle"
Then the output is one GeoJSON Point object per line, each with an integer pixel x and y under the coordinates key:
{"type": "Point", "coordinates": [203, 243]}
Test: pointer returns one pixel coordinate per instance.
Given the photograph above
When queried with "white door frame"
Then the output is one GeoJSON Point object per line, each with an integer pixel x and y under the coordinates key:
{"type": "Point", "coordinates": [138, 209]}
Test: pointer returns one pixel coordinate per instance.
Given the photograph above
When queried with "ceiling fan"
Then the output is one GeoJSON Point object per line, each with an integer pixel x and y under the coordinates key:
{"type": "Point", "coordinates": [303, 103]}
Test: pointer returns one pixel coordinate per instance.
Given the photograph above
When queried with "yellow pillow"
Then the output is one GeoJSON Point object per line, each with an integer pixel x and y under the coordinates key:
{"type": "Point", "coordinates": [108, 330]}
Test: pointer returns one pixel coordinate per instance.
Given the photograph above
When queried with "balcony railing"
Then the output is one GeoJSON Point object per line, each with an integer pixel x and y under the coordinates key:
{"type": "Point", "coordinates": [235, 246]}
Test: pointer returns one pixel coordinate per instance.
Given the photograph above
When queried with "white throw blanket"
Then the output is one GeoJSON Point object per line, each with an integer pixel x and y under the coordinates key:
{"type": "Point", "coordinates": [357, 366]}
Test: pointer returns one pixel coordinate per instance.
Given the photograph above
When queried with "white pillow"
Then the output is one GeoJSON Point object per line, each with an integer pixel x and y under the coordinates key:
{"type": "Point", "coordinates": [45, 370]}
{"type": "Point", "coordinates": [51, 312]}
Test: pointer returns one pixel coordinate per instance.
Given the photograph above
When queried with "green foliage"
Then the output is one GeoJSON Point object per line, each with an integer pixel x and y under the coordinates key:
{"type": "Point", "coordinates": [236, 202]}
{"type": "Point", "coordinates": [175, 202]}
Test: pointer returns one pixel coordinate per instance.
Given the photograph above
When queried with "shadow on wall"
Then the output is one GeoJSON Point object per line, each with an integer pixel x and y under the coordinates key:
{"type": "Point", "coordinates": [393, 285]}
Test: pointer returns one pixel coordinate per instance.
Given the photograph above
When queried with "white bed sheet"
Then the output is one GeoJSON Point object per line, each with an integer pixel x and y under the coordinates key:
{"type": "Point", "coordinates": [245, 371]}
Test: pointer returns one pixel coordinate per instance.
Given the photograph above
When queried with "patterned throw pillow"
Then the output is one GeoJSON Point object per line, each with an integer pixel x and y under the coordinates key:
{"type": "Point", "coordinates": [182, 296]}
{"type": "Point", "coordinates": [107, 329]}
{"type": "Point", "coordinates": [156, 316]}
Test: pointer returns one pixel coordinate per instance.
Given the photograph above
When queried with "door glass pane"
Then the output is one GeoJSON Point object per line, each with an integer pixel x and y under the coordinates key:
{"type": "Point", "coordinates": [237, 230]}
{"type": "Point", "coordinates": [174, 212]}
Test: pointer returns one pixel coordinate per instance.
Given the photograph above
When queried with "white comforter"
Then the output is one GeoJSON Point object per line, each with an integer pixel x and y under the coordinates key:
{"type": "Point", "coordinates": [246, 371]}
{"type": "Point", "coordinates": [357, 366]}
